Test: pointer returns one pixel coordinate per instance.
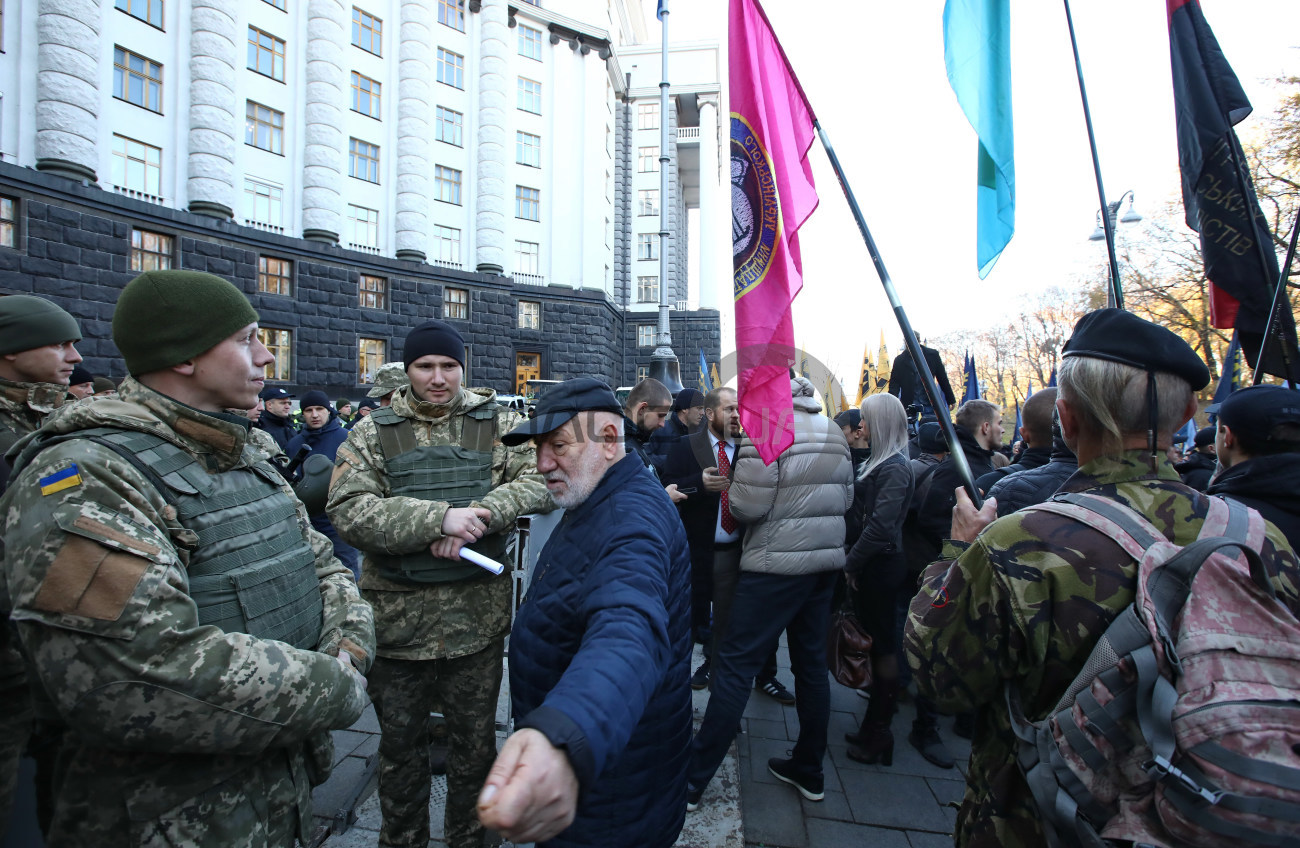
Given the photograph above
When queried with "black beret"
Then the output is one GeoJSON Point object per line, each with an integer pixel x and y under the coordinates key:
{"type": "Point", "coordinates": [1123, 337]}
{"type": "Point", "coordinates": [562, 402]}
{"type": "Point", "coordinates": [1253, 412]}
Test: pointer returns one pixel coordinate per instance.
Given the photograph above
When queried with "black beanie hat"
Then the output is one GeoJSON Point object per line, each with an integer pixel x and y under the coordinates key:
{"type": "Point", "coordinates": [315, 398]}
{"type": "Point", "coordinates": [80, 375]}
{"type": "Point", "coordinates": [28, 322]}
{"type": "Point", "coordinates": [167, 317]}
{"type": "Point", "coordinates": [433, 337]}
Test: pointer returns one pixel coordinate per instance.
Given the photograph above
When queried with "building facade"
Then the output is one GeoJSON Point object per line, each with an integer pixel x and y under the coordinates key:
{"type": "Point", "coordinates": [357, 169]}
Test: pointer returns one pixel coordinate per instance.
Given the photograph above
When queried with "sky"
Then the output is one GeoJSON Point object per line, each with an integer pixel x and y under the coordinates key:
{"type": "Point", "coordinates": [874, 74]}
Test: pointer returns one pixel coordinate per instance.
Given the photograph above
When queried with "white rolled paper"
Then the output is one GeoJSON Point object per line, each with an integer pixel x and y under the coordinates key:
{"type": "Point", "coordinates": [481, 561]}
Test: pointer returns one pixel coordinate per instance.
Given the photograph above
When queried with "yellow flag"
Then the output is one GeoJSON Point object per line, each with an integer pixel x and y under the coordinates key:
{"type": "Point", "coordinates": [882, 366]}
{"type": "Point", "coordinates": [865, 377]}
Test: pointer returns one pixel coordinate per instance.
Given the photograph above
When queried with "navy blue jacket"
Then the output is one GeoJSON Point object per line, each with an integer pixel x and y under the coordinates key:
{"type": "Point", "coordinates": [600, 660]}
{"type": "Point", "coordinates": [326, 441]}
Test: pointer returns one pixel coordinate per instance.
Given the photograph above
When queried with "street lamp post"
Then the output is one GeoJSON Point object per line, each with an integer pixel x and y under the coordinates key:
{"type": "Point", "coordinates": [664, 366]}
{"type": "Point", "coordinates": [1105, 231]}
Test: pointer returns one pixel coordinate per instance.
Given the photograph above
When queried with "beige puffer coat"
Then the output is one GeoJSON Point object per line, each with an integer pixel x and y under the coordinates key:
{"type": "Point", "coordinates": [794, 508]}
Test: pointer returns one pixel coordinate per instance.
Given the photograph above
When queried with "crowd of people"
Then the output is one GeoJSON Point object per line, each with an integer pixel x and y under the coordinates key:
{"type": "Point", "coordinates": [199, 589]}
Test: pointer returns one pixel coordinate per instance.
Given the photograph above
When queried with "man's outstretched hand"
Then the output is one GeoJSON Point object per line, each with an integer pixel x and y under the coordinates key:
{"type": "Point", "coordinates": [531, 793]}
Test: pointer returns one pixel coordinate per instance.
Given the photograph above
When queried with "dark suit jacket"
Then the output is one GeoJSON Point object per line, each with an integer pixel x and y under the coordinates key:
{"type": "Point", "coordinates": [687, 458]}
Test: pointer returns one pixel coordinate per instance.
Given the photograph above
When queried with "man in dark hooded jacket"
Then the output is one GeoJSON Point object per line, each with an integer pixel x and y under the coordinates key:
{"type": "Point", "coordinates": [1201, 463]}
{"type": "Point", "coordinates": [905, 380]}
{"type": "Point", "coordinates": [979, 430]}
{"type": "Point", "coordinates": [1259, 447]}
{"type": "Point", "coordinates": [323, 432]}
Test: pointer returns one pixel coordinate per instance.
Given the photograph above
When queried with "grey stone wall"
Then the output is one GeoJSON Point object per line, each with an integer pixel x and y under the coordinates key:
{"type": "Point", "coordinates": [74, 246]}
{"type": "Point", "coordinates": [691, 332]}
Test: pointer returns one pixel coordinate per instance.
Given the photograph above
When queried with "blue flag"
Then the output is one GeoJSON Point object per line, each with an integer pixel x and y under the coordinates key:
{"type": "Point", "coordinates": [1227, 379]}
{"type": "Point", "coordinates": [972, 383]}
{"type": "Point", "coordinates": [706, 382]}
{"type": "Point", "coordinates": [977, 53]}
{"type": "Point", "coordinates": [1051, 381]}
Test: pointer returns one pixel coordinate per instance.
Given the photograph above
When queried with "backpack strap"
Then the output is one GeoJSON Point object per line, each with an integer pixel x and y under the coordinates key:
{"type": "Point", "coordinates": [1126, 527]}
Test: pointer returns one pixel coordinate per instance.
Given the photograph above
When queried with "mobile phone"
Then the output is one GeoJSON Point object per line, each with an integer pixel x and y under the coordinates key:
{"type": "Point", "coordinates": [692, 490]}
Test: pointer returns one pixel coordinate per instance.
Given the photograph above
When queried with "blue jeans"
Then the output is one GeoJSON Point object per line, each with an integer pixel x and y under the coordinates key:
{"type": "Point", "coordinates": [764, 605]}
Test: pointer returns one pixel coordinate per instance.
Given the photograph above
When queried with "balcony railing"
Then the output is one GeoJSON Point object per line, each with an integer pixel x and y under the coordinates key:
{"type": "Point", "coordinates": [446, 263]}
{"type": "Point", "coordinates": [682, 306]}
{"type": "Point", "coordinates": [689, 134]}
{"type": "Point", "coordinates": [530, 279]}
{"type": "Point", "coordinates": [261, 225]}
{"type": "Point", "coordinates": [364, 248]}
{"type": "Point", "coordinates": [138, 195]}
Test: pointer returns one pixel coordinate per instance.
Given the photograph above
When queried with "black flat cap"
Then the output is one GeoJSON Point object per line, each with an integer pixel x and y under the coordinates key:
{"type": "Point", "coordinates": [1253, 412]}
{"type": "Point", "coordinates": [274, 393]}
{"type": "Point", "coordinates": [1123, 337]}
{"type": "Point", "coordinates": [851, 418]}
{"type": "Point", "coordinates": [560, 403]}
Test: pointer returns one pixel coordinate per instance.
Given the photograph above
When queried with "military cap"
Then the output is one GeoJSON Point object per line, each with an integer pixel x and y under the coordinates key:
{"type": "Point", "coordinates": [1253, 412]}
{"type": "Point", "coordinates": [1123, 337]}
{"type": "Point", "coordinates": [28, 322]}
{"type": "Point", "coordinates": [390, 377]}
{"type": "Point", "coordinates": [274, 393]}
{"type": "Point", "coordinates": [851, 418]}
{"type": "Point", "coordinates": [562, 402]}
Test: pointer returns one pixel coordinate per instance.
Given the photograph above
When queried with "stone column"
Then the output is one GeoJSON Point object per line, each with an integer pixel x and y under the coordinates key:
{"type": "Point", "coordinates": [213, 122]}
{"type": "Point", "coordinates": [322, 171]}
{"type": "Point", "coordinates": [415, 70]}
{"type": "Point", "coordinates": [67, 88]}
{"type": "Point", "coordinates": [493, 101]}
{"type": "Point", "coordinates": [710, 283]}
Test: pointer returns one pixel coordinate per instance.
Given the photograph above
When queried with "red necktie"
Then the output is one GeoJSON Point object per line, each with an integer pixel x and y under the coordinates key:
{"type": "Point", "coordinates": [724, 468]}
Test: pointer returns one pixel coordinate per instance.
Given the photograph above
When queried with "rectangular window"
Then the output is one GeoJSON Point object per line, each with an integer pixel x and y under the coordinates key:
{"type": "Point", "coordinates": [647, 289]}
{"type": "Point", "coordinates": [372, 292]}
{"type": "Point", "coordinates": [280, 344]}
{"type": "Point", "coordinates": [530, 42]}
{"type": "Point", "coordinates": [647, 246]}
{"type": "Point", "coordinates": [528, 149]}
{"type": "Point", "coordinates": [647, 116]}
{"type": "Point", "coordinates": [265, 54]}
{"type": "Point", "coordinates": [455, 304]}
{"type": "Point", "coordinates": [275, 276]}
{"type": "Point", "coordinates": [367, 31]}
{"type": "Point", "coordinates": [363, 160]}
{"type": "Point", "coordinates": [642, 371]}
{"type": "Point", "coordinates": [526, 257]}
{"type": "Point", "coordinates": [149, 11]}
{"type": "Point", "coordinates": [8, 222]}
{"type": "Point", "coordinates": [136, 166]}
{"type": "Point", "coordinates": [528, 203]}
{"type": "Point", "coordinates": [645, 335]}
{"type": "Point", "coordinates": [137, 80]}
{"type": "Point", "coordinates": [447, 182]}
{"type": "Point", "coordinates": [530, 315]}
{"type": "Point", "coordinates": [449, 126]}
{"type": "Point", "coordinates": [263, 202]}
{"type": "Point", "coordinates": [451, 68]}
{"type": "Point", "coordinates": [365, 95]}
{"type": "Point", "coordinates": [150, 251]}
{"type": "Point", "coordinates": [647, 159]}
{"type": "Point", "coordinates": [647, 201]}
{"type": "Point", "coordinates": [446, 245]}
{"type": "Point", "coordinates": [365, 225]}
{"type": "Point", "coordinates": [452, 13]}
{"type": "Point", "coordinates": [371, 354]}
{"type": "Point", "coordinates": [529, 96]}
{"type": "Point", "coordinates": [264, 128]}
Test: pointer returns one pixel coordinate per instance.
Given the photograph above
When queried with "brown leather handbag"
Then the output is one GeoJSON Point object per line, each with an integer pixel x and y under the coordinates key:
{"type": "Point", "coordinates": [848, 650]}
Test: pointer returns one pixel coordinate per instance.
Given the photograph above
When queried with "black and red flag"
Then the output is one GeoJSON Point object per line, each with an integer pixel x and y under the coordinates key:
{"type": "Point", "coordinates": [1218, 193]}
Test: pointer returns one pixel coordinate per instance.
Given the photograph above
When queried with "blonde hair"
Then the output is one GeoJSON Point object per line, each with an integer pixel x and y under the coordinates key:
{"type": "Point", "coordinates": [886, 424]}
{"type": "Point", "coordinates": [1110, 399]}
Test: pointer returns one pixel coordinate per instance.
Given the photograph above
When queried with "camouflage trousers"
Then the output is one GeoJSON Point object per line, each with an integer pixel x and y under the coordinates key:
{"type": "Point", "coordinates": [404, 692]}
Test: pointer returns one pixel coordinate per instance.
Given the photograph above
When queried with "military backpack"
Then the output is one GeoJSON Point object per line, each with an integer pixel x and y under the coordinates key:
{"type": "Point", "coordinates": [1183, 728]}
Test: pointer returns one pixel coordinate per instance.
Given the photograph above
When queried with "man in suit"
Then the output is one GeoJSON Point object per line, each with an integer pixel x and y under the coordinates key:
{"type": "Point", "coordinates": [700, 465]}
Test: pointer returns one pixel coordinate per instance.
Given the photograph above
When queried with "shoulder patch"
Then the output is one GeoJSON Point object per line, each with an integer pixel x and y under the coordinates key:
{"type": "Point", "coordinates": [60, 480]}
{"type": "Point", "coordinates": [90, 581]}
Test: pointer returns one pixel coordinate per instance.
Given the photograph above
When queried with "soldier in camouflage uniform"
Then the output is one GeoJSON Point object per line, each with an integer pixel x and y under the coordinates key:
{"type": "Point", "coordinates": [37, 355]}
{"type": "Point", "coordinates": [1023, 602]}
{"type": "Point", "coordinates": [194, 633]}
{"type": "Point", "coordinates": [413, 483]}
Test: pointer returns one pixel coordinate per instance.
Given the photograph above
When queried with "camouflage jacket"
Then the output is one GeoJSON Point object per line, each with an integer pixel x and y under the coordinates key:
{"type": "Point", "coordinates": [175, 724]}
{"type": "Point", "coordinates": [1025, 604]}
{"type": "Point", "coordinates": [430, 621]}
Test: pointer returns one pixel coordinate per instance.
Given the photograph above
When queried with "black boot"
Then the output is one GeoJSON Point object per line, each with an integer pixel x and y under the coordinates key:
{"type": "Point", "coordinates": [925, 736]}
{"type": "Point", "coordinates": [874, 742]}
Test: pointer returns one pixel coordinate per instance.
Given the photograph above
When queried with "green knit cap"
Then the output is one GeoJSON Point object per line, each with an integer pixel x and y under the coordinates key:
{"type": "Point", "coordinates": [167, 317]}
{"type": "Point", "coordinates": [28, 322]}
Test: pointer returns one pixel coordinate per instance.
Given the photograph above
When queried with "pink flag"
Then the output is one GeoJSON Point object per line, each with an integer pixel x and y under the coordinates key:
{"type": "Point", "coordinates": [772, 194]}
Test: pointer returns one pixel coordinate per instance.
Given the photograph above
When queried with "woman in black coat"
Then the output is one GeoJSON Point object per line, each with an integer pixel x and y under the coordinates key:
{"type": "Point", "coordinates": [876, 567]}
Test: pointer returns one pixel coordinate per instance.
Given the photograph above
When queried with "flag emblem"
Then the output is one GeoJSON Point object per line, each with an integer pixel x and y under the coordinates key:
{"type": "Point", "coordinates": [755, 208]}
{"type": "Point", "coordinates": [60, 480]}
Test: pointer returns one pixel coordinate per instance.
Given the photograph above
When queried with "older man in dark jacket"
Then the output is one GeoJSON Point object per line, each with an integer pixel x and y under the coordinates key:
{"type": "Point", "coordinates": [600, 650]}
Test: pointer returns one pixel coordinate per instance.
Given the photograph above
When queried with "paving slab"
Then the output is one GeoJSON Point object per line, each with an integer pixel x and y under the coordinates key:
{"type": "Point", "coordinates": [845, 834]}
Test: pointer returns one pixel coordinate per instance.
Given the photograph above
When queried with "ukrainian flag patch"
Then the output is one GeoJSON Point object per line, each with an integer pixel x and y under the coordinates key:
{"type": "Point", "coordinates": [60, 480]}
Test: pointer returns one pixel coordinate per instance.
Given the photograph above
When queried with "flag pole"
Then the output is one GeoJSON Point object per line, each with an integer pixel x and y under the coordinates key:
{"type": "Point", "coordinates": [1272, 330]}
{"type": "Point", "coordinates": [937, 403]}
{"type": "Point", "coordinates": [1115, 295]}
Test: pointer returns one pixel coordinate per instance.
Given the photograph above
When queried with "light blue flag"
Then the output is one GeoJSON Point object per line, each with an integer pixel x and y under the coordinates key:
{"type": "Point", "coordinates": [977, 53]}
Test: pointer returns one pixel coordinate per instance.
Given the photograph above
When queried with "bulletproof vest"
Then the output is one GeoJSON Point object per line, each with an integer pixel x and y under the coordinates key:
{"type": "Point", "coordinates": [456, 474]}
{"type": "Point", "coordinates": [250, 568]}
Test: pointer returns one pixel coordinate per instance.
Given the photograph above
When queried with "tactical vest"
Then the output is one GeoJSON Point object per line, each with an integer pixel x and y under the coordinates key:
{"type": "Point", "coordinates": [251, 570]}
{"type": "Point", "coordinates": [455, 474]}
